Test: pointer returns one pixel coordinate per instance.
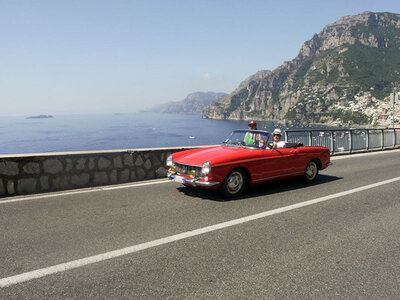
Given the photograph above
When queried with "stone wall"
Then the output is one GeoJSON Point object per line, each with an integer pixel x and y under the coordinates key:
{"type": "Point", "coordinates": [38, 173]}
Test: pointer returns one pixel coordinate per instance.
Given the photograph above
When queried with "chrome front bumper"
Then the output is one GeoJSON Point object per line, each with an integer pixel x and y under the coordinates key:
{"type": "Point", "coordinates": [195, 182]}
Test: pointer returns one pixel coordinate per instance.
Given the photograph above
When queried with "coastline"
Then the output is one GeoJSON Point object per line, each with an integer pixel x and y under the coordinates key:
{"type": "Point", "coordinates": [292, 123]}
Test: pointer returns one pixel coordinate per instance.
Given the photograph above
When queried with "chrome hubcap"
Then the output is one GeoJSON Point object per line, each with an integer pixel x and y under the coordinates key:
{"type": "Point", "coordinates": [235, 182]}
{"type": "Point", "coordinates": [311, 170]}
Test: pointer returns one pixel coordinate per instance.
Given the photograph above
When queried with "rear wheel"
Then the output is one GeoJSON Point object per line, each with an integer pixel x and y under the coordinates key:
{"type": "Point", "coordinates": [311, 171]}
{"type": "Point", "coordinates": [234, 184]}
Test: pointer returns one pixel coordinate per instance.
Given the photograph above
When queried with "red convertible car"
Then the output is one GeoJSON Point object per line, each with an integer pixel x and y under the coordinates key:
{"type": "Point", "coordinates": [245, 158]}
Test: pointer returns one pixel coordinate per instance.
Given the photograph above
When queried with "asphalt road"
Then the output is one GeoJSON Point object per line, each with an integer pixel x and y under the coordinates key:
{"type": "Point", "coordinates": [342, 246]}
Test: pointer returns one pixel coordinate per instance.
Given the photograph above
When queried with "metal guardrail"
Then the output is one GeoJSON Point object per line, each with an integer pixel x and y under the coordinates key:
{"type": "Point", "coordinates": [346, 140]}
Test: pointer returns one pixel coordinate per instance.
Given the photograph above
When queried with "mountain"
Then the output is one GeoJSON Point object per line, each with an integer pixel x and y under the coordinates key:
{"type": "Point", "coordinates": [193, 103]}
{"type": "Point", "coordinates": [342, 75]}
{"type": "Point", "coordinates": [259, 75]}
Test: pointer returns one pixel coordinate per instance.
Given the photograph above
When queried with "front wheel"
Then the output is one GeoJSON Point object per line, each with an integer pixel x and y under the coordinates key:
{"type": "Point", "coordinates": [311, 171]}
{"type": "Point", "coordinates": [234, 184]}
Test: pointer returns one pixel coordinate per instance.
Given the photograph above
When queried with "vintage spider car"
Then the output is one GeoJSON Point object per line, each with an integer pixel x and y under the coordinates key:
{"type": "Point", "coordinates": [245, 158]}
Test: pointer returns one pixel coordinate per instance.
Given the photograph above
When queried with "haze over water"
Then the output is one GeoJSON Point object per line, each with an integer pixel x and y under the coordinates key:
{"type": "Point", "coordinates": [113, 131]}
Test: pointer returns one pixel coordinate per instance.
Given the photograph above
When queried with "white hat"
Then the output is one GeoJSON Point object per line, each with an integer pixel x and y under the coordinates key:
{"type": "Point", "coordinates": [277, 131]}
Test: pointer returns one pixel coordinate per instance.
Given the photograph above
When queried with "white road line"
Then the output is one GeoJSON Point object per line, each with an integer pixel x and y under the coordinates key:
{"type": "Point", "coordinates": [355, 155]}
{"type": "Point", "coordinates": [83, 191]}
{"type": "Point", "coordinates": [12, 280]}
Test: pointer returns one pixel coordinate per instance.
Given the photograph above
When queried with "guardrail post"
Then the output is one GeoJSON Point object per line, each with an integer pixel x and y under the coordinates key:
{"type": "Point", "coordinates": [382, 139]}
{"type": "Point", "coordinates": [367, 140]}
{"type": "Point", "coordinates": [351, 141]}
{"type": "Point", "coordinates": [310, 138]}
{"type": "Point", "coordinates": [394, 137]}
{"type": "Point", "coordinates": [332, 143]}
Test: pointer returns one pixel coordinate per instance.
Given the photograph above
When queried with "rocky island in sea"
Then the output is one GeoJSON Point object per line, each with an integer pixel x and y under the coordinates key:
{"type": "Point", "coordinates": [41, 117]}
{"type": "Point", "coordinates": [342, 76]}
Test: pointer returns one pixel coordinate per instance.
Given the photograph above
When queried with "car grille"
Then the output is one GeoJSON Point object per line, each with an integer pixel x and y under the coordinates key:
{"type": "Point", "coordinates": [185, 169]}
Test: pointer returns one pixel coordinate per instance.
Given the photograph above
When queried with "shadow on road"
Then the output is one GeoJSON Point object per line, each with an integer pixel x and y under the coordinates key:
{"type": "Point", "coordinates": [268, 188]}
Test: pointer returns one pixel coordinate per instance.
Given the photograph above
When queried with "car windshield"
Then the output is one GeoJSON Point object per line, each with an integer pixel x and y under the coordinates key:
{"type": "Point", "coordinates": [255, 139]}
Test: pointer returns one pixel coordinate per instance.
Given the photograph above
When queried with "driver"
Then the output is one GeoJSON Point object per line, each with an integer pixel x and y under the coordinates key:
{"type": "Point", "coordinates": [250, 138]}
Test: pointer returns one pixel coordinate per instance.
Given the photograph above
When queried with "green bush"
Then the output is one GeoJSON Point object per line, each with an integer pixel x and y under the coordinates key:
{"type": "Point", "coordinates": [350, 116]}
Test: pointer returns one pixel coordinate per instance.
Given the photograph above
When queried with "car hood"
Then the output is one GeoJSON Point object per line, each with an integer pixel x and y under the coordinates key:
{"type": "Point", "coordinates": [215, 155]}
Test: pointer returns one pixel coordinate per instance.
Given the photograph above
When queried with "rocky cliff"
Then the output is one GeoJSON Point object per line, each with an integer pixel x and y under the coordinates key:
{"type": "Point", "coordinates": [259, 75]}
{"type": "Point", "coordinates": [357, 57]}
{"type": "Point", "coordinates": [194, 103]}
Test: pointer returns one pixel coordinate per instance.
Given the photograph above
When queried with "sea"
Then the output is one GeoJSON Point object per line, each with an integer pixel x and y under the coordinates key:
{"type": "Point", "coordinates": [65, 133]}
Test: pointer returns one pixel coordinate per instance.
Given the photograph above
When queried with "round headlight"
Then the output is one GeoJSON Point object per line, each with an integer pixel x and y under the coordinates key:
{"type": "Point", "coordinates": [170, 161]}
{"type": "Point", "coordinates": [206, 168]}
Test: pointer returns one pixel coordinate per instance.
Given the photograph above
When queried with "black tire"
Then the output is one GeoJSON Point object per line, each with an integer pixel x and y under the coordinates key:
{"type": "Point", "coordinates": [234, 183]}
{"type": "Point", "coordinates": [311, 172]}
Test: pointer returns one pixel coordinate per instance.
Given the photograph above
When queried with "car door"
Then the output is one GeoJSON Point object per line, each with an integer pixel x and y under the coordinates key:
{"type": "Point", "coordinates": [299, 159]}
{"type": "Point", "coordinates": [277, 162]}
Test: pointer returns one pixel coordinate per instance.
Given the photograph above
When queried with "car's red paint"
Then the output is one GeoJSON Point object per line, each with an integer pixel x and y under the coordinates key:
{"type": "Point", "coordinates": [259, 165]}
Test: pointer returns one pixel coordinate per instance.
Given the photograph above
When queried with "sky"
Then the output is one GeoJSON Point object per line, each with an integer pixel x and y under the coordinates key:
{"type": "Point", "coordinates": [115, 56]}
